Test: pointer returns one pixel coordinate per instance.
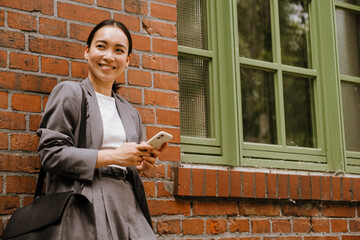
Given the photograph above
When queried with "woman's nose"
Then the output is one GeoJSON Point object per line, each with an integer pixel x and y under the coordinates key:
{"type": "Point", "coordinates": [109, 55]}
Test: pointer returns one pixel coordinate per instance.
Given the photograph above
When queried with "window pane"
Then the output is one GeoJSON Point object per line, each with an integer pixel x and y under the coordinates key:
{"type": "Point", "coordinates": [351, 111]}
{"type": "Point", "coordinates": [254, 29]}
{"type": "Point", "coordinates": [194, 97]}
{"type": "Point", "coordinates": [355, 2]}
{"type": "Point", "coordinates": [192, 23]}
{"type": "Point", "coordinates": [258, 106]}
{"type": "Point", "coordinates": [299, 114]}
{"type": "Point", "coordinates": [348, 30]}
{"type": "Point", "coordinates": [294, 32]}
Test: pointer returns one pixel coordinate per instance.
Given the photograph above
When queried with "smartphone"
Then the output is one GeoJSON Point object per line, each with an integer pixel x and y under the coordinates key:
{"type": "Point", "coordinates": [159, 139]}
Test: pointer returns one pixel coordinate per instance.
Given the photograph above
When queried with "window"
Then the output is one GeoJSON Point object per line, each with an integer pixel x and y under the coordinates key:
{"type": "Point", "coordinates": [261, 83]}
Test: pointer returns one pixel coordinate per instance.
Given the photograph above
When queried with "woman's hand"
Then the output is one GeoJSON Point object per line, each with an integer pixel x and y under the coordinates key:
{"type": "Point", "coordinates": [149, 160]}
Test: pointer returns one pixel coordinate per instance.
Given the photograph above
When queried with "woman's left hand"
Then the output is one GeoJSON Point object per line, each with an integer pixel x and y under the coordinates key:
{"type": "Point", "coordinates": [149, 161]}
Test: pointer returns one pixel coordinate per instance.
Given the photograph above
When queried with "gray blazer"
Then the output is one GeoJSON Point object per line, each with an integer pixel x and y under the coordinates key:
{"type": "Point", "coordinates": [59, 133]}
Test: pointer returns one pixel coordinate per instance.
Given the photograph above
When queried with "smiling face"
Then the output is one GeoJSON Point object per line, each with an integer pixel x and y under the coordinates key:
{"type": "Point", "coordinates": [107, 56]}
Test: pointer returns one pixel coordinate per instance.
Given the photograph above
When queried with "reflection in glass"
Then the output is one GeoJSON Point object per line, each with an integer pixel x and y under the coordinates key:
{"type": "Point", "coordinates": [258, 106]}
{"type": "Point", "coordinates": [351, 110]}
{"type": "Point", "coordinates": [355, 2]}
{"type": "Point", "coordinates": [254, 29]}
{"type": "Point", "coordinates": [194, 92]}
{"type": "Point", "coordinates": [295, 33]}
{"type": "Point", "coordinates": [348, 38]}
{"type": "Point", "coordinates": [299, 111]}
{"type": "Point", "coordinates": [192, 23]}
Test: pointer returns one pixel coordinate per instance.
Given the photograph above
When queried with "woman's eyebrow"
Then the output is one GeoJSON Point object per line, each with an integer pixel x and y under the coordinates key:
{"type": "Point", "coordinates": [117, 45]}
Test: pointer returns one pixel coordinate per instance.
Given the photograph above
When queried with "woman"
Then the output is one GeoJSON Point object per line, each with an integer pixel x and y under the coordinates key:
{"type": "Point", "coordinates": [115, 153]}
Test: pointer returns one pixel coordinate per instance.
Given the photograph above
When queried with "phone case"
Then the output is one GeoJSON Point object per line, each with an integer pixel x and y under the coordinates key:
{"type": "Point", "coordinates": [159, 139]}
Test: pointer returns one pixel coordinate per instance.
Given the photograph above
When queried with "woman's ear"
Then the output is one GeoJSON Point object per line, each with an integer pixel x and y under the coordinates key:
{"type": "Point", "coordinates": [128, 60]}
{"type": "Point", "coordinates": [86, 53]}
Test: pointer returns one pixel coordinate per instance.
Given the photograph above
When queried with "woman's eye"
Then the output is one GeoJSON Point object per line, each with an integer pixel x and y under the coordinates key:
{"type": "Point", "coordinates": [100, 46]}
{"type": "Point", "coordinates": [119, 50]}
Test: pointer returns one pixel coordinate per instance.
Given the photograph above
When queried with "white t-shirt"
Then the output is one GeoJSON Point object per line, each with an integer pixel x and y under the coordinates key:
{"type": "Point", "coordinates": [114, 132]}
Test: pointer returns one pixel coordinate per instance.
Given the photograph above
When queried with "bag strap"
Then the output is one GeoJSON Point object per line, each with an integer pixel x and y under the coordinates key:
{"type": "Point", "coordinates": [81, 144]}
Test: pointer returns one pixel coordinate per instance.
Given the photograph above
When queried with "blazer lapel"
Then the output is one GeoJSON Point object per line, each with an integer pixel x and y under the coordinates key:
{"type": "Point", "coordinates": [127, 120]}
{"type": "Point", "coordinates": [95, 120]}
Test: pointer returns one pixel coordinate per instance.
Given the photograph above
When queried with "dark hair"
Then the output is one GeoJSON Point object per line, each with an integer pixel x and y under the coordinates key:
{"type": "Point", "coordinates": [118, 24]}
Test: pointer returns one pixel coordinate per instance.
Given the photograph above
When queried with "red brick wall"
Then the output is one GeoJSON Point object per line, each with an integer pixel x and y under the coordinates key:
{"type": "Point", "coordinates": [42, 43]}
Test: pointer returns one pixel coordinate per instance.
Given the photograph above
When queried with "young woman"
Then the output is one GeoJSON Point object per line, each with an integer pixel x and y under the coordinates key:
{"type": "Point", "coordinates": [115, 153]}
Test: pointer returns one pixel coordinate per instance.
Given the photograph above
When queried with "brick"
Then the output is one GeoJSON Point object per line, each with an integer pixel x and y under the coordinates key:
{"type": "Point", "coordinates": [24, 142]}
{"type": "Point", "coordinates": [160, 63]}
{"type": "Point", "coordinates": [3, 59]}
{"type": "Point", "coordinates": [325, 188]}
{"type": "Point", "coordinates": [52, 27]}
{"type": "Point", "coordinates": [79, 69]}
{"type": "Point", "coordinates": [25, 62]}
{"type": "Point", "coordinates": [149, 189]}
{"type": "Point", "coordinates": [213, 208]}
{"type": "Point", "coordinates": [356, 185]}
{"type": "Point", "coordinates": [354, 225]}
{"type": "Point", "coordinates": [305, 188]}
{"type": "Point", "coordinates": [113, 4]}
{"type": "Point", "coordinates": [336, 188]}
{"type": "Point", "coordinates": [10, 39]}
{"type": "Point", "coordinates": [19, 163]}
{"type": "Point", "coordinates": [8, 204]}
{"type": "Point", "coordinates": [45, 100]}
{"type": "Point", "coordinates": [346, 189]}
{"type": "Point", "coordinates": [294, 186]}
{"type": "Point", "coordinates": [193, 226]}
{"type": "Point", "coordinates": [168, 1]}
{"type": "Point", "coordinates": [223, 183]}
{"type": "Point", "coordinates": [54, 66]}
{"type": "Point", "coordinates": [163, 11]}
{"type": "Point", "coordinates": [259, 208]}
{"type": "Point", "coordinates": [283, 186]}
{"type": "Point", "coordinates": [4, 100]}
{"type": "Point", "coordinates": [321, 238]}
{"type": "Point", "coordinates": [238, 225]}
{"type": "Point", "coordinates": [4, 142]}
{"type": "Point", "coordinates": [169, 174]}
{"type": "Point", "coordinates": [338, 225]}
{"type": "Point", "coordinates": [133, 95]}
{"type": "Point", "coordinates": [168, 227]}
{"type": "Point", "coordinates": [164, 190]}
{"type": "Point", "coordinates": [248, 184]}
{"type": "Point", "coordinates": [306, 209]}
{"type": "Point", "coordinates": [164, 99]}
{"type": "Point", "coordinates": [281, 225]}
{"type": "Point", "coordinates": [135, 60]}
{"type": "Point", "coordinates": [165, 46]}
{"type": "Point", "coordinates": [260, 186]}
{"type": "Point", "coordinates": [2, 18]}
{"type": "Point", "coordinates": [216, 226]}
{"type": "Point", "coordinates": [147, 115]}
{"type": "Point", "coordinates": [182, 181]}
{"type": "Point", "coordinates": [43, 6]}
{"type": "Point", "coordinates": [169, 207]}
{"type": "Point", "coordinates": [79, 32]}
{"type": "Point", "coordinates": [141, 42]}
{"type": "Point", "coordinates": [210, 182]}
{"type": "Point", "coordinates": [25, 102]}
{"type": "Point", "coordinates": [175, 132]}
{"type": "Point", "coordinates": [56, 47]}
{"type": "Point", "coordinates": [136, 6]}
{"type": "Point", "coordinates": [356, 237]}
{"type": "Point", "coordinates": [315, 187]}
{"type": "Point", "coordinates": [1, 191]}
{"type": "Point", "coordinates": [235, 184]}
{"type": "Point", "coordinates": [198, 182]}
{"type": "Point", "coordinates": [168, 117]}
{"type": "Point", "coordinates": [338, 210]}
{"type": "Point", "coordinates": [139, 78]}
{"type": "Point", "coordinates": [283, 238]}
{"type": "Point", "coordinates": [81, 13]}
{"type": "Point", "coordinates": [301, 225]}
{"type": "Point", "coordinates": [21, 21]}
{"type": "Point", "coordinates": [320, 225]}
{"type": "Point", "coordinates": [13, 121]}
{"type": "Point", "coordinates": [260, 226]}
{"type": "Point", "coordinates": [271, 185]}
{"type": "Point", "coordinates": [27, 82]}
{"type": "Point", "coordinates": [168, 82]}
{"type": "Point", "coordinates": [158, 171]}
{"type": "Point", "coordinates": [131, 22]}
{"type": "Point", "coordinates": [171, 153]}
{"type": "Point", "coordinates": [27, 201]}
{"type": "Point", "coordinates": [85, 1]}
{"type": "Point", "coordinates": [163, 29]}
{"type": "Point", "coordinates": [20, 184]}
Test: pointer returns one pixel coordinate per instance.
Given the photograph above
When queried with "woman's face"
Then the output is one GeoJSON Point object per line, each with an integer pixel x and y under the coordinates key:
{"type": "Point", "coordinates": [107, 55]}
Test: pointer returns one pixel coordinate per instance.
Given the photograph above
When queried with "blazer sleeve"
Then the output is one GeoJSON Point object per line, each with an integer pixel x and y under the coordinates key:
{"type": "Point", "coordinates": [57, 132]}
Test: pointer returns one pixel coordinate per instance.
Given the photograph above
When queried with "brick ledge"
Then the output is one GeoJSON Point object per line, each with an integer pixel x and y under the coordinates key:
{"type": "Point", "coordinates": [231, 183]}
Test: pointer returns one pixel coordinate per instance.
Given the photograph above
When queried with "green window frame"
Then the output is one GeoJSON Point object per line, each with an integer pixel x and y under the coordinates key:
{"type": "Point", "coordinates": [228, 145]}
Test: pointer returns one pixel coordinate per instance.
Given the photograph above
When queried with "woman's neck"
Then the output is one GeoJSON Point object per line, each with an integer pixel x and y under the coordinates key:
{"type": "Point", "coordinates": [104, 88]}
